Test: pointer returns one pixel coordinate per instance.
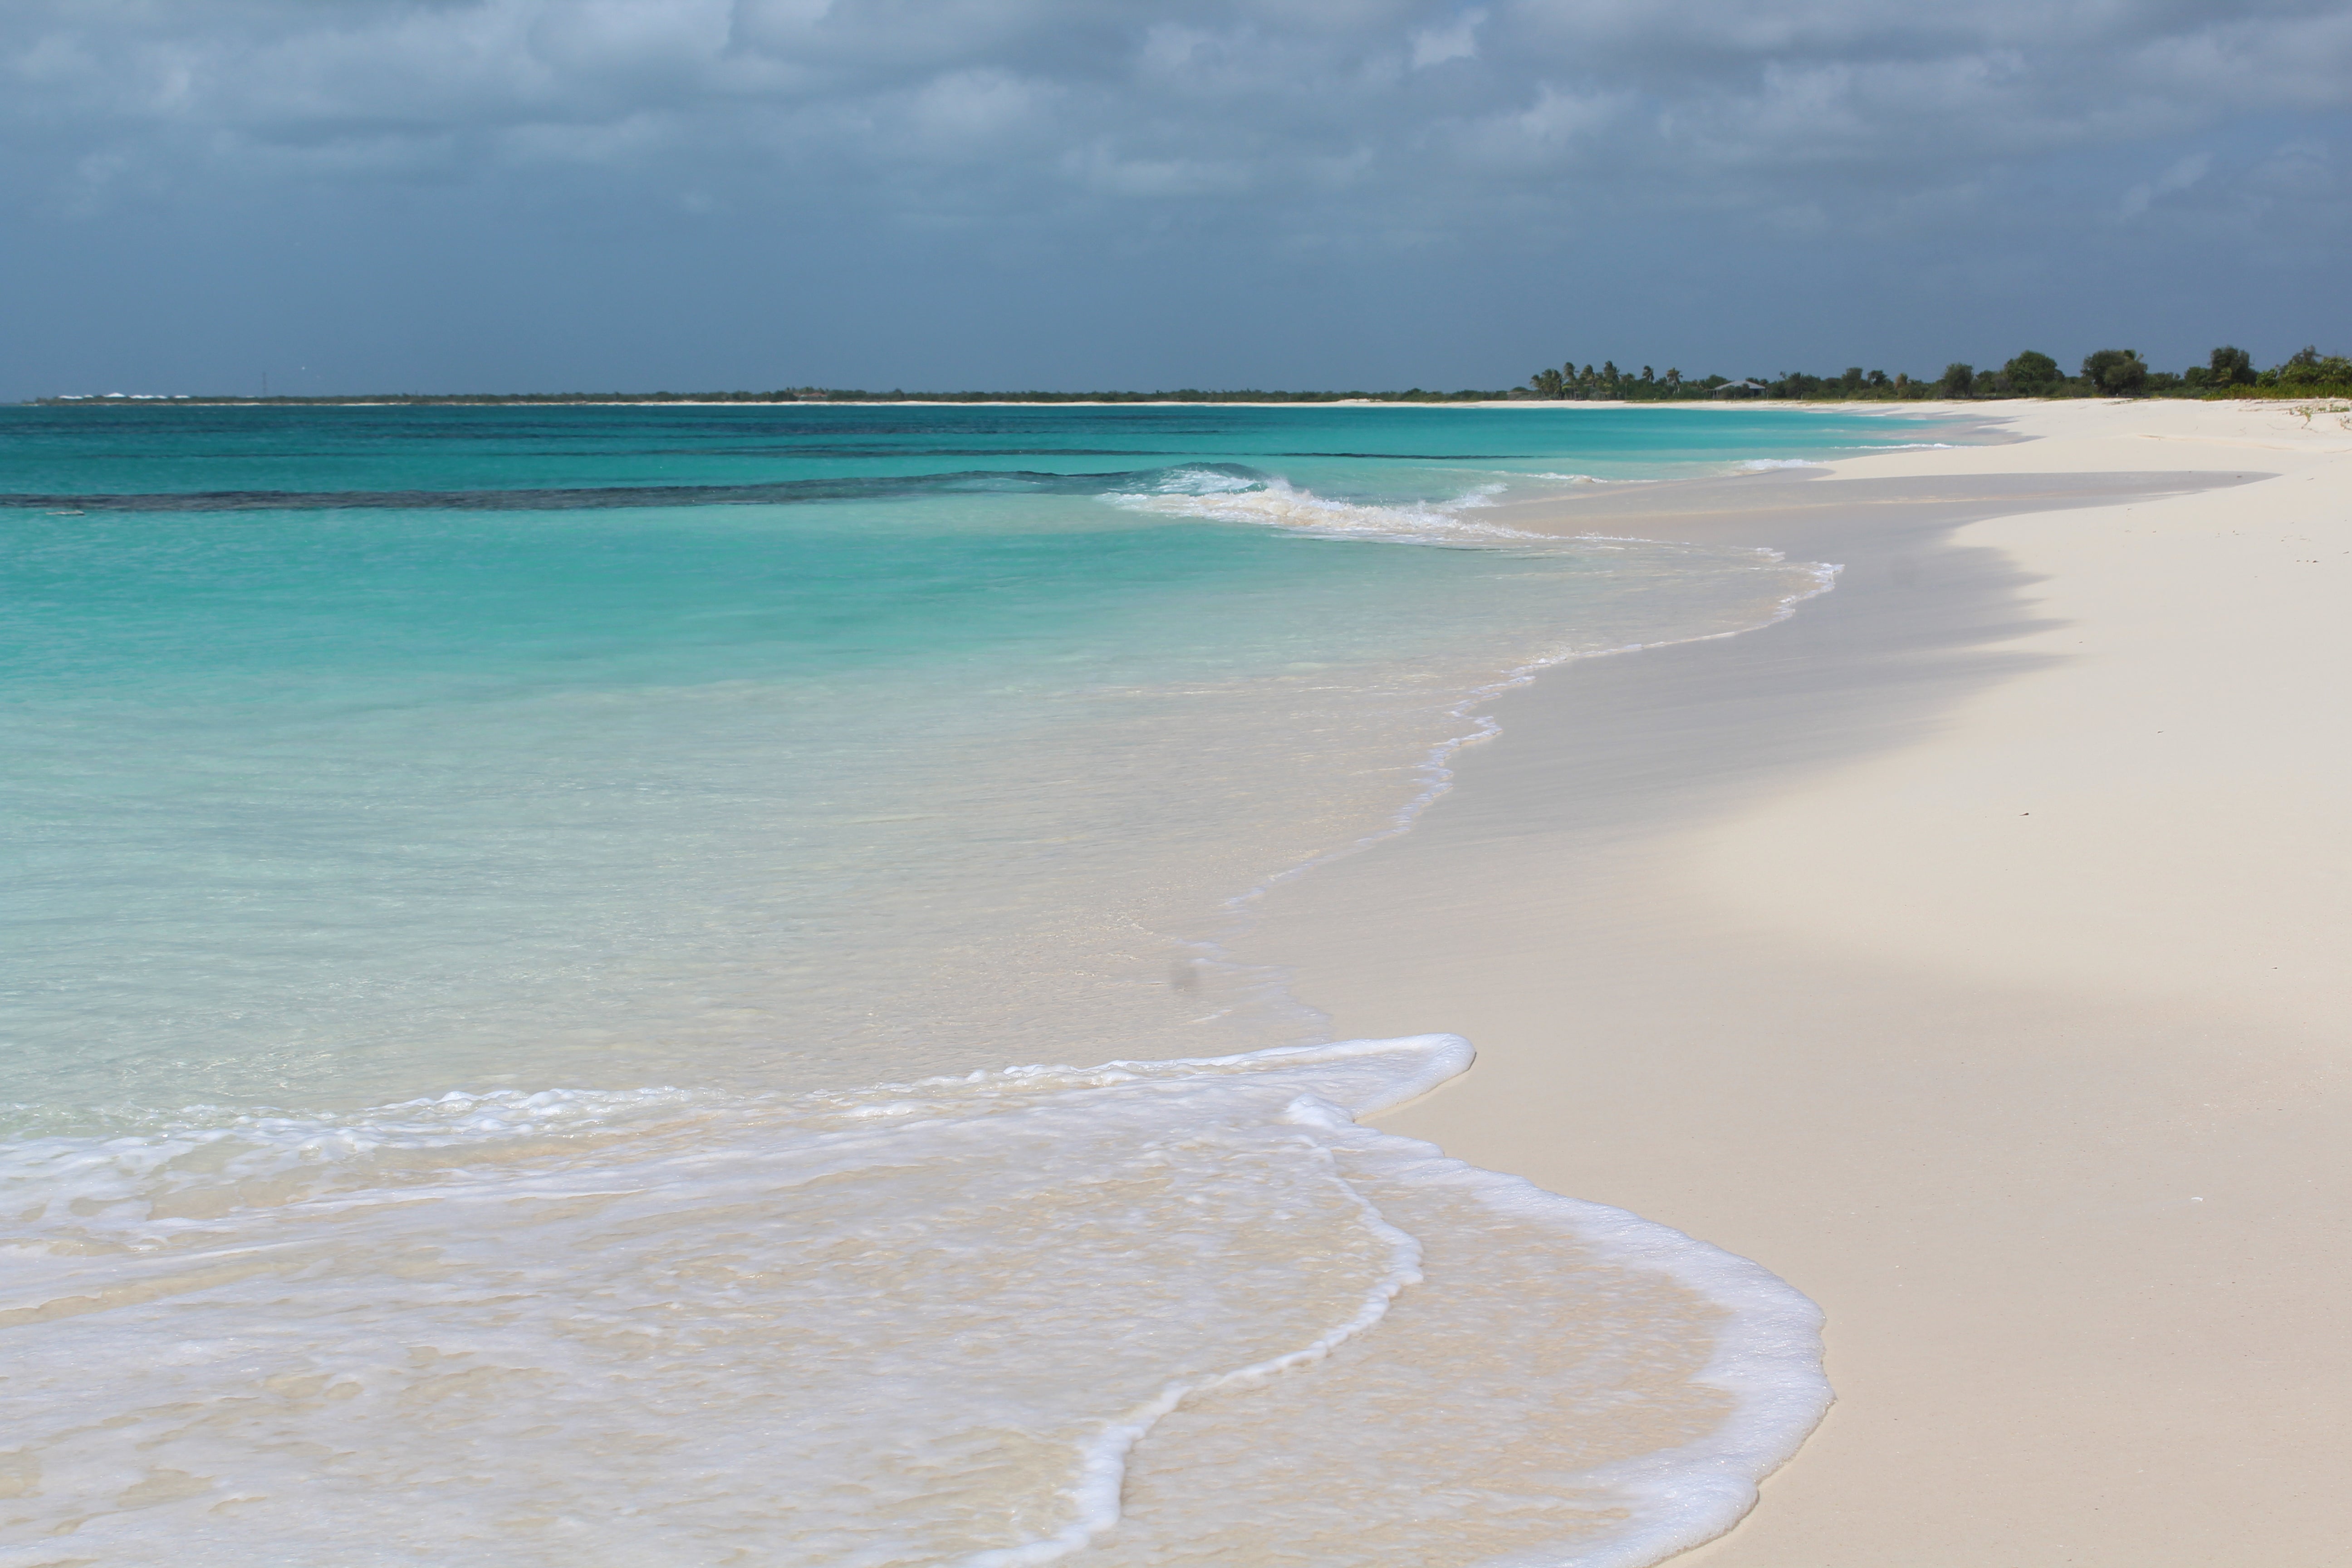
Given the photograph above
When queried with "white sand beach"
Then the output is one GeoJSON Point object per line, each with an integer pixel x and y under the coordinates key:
{"type": "Point", "coordinates": [1973, 949]}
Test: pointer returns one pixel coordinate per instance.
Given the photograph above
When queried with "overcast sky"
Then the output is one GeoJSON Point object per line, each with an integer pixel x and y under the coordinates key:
{"type": "Point", "coordinates": [544, 194]}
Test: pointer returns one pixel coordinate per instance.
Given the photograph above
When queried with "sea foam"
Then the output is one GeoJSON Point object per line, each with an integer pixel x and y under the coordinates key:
{"type": "Point", "coordinates": [1272, 503]}
{"type": "Point", "coordinates": [958, 1319]}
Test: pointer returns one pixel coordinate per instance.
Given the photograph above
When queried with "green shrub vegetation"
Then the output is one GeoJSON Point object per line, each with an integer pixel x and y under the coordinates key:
{"type": "Point", "coordinates": [2228, 372]}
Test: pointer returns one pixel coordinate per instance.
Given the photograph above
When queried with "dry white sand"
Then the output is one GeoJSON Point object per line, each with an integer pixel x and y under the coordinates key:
{"type": "Point", "coordinates": [1974, 949]}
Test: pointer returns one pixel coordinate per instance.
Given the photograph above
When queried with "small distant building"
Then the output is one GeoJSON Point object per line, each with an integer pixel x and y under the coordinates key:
{"type": "Point", "coordinates": [1738, 389]}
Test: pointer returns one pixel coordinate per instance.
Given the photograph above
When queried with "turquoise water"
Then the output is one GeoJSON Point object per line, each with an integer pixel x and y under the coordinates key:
{"type": "Point", "coordinates": [1342, 451]}
{"type": "Point", "coordinates": [596, 786]}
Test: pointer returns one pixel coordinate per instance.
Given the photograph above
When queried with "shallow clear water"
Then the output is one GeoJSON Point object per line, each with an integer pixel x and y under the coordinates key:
{"type": "Point", "coordinates": [466, 924]}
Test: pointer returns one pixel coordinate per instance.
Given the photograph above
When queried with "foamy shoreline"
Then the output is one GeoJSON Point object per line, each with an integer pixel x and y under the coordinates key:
{"type": "Point", "coordinates": [1968, 950]}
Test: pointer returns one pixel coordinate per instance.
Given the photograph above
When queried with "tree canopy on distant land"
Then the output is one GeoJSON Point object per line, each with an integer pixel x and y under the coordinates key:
{"type": "Point", "coordinates": [2230, 367]}
{"type": "Point", "coordinates": [2118, 371]}
{"type": "Point", "coordinates": [2309, 368]}
{"type": "Point", "coordinates": [2106, 373]}
{"type": "Point", "coordinates": [2034, 374]}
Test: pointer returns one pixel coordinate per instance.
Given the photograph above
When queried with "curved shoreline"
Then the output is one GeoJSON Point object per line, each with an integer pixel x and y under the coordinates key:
{"type": "Point", "coordinates": [1747, 945]}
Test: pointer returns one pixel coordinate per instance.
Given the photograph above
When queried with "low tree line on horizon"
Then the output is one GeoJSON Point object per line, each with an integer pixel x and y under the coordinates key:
{"type": "Point", "coordinates": [2229, 372]}
{"type": "Point", "coordinates": [2110, 373]}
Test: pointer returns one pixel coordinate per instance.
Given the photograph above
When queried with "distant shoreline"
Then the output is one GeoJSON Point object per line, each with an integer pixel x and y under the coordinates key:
{"type": "Point", "coordinates": [1111, 400]}
{"type": "Point", "coordinates": [2032, 376]}
{"type": "Point", "coordinates": [1936, 407]}
{"type": "Point", "coordinates": [939, 400]}
{"type": "Point", "coordinates": [1416, 398]}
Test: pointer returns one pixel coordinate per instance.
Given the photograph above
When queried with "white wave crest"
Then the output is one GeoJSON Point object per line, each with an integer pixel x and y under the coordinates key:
{"type": "Point", "coordinates": [1203, 481]}
{"type": "Point", "coordinates": [1278, 504]}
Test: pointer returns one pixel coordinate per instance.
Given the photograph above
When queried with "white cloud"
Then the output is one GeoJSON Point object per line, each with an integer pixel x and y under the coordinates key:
{"type": "Point", "coordinates": [1105, 170]}
{"type": "Point", "coordinates": [2179, 177]}
{"type": "Point", "coordinates": [1436, 45]}
{"type": "Point", "coordinates": [968, 112]}
{"type": "Point", "coordinates": [1843, 107]}
{"type": "Point", "coordinates": [1557, 123]}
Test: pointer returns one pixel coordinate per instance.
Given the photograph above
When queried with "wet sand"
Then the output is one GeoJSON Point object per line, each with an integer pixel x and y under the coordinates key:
{"type": "Point", "coordinates": [1973, 949]}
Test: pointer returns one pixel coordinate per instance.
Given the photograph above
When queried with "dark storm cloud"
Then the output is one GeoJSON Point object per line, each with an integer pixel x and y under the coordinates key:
{"type": "Point", "coordinates": [934, 167]}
